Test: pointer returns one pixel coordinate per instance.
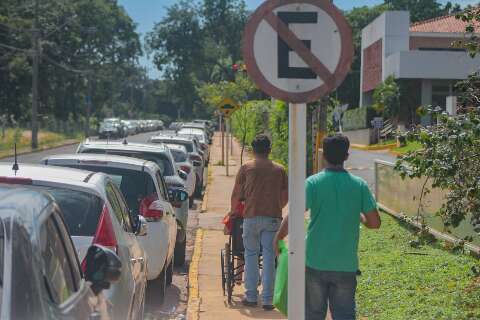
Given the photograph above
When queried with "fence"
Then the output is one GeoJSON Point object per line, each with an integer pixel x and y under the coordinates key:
{"type": "Point", "coordinates": [401, 197]}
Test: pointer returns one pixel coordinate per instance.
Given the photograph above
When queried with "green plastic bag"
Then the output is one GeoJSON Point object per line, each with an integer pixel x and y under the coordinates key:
{"type": "Point", "coordinates": [280, 295]}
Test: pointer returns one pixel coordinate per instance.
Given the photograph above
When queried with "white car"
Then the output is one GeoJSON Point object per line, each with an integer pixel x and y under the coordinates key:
{"type": "Point", "coordinates": [146, 194]}
{"type": "Point", "coordinates": [182, 161]}
{"type": "Point", "coordinates": [95, 213]}
{"type": "Point", "coordinates": [202, 138]}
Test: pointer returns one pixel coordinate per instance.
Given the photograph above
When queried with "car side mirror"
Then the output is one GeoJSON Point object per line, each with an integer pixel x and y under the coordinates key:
{"type": "Point", "coordinates": [196, 163]}
{"type": "Point", "coordinates": [183, 174]}
{"type": "Point", "coordinates": [141, 228]}
{"type": "Point", "coordinates": [102, 268]}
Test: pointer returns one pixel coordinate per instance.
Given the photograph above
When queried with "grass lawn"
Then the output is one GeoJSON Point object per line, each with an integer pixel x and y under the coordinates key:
{"type": "Point", "coordinates": [411, 146]}
{"type": "Point", "coordinates": [400, 282]}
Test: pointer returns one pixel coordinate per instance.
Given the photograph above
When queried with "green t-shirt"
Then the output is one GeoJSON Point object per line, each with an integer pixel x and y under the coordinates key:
{"type": "Point", "coordinates": [335, 200]}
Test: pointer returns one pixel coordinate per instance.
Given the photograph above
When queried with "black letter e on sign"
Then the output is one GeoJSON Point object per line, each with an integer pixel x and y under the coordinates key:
{"type": "Point", "coordinates": [284, 69]}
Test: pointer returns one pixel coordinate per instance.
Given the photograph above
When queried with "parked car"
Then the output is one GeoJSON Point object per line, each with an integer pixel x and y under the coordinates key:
{"type": "Point", "coordinates": [183, 162]}
{"type": "Point", "coordinates": [195, 155]}
{"type": "Point", "coordinates": [110, 129]}
{"type": "Point", "coordinates": [199, 126]}
{"type": "Point", "coordinates": [201, 137]}
{"type": "Point", "coordinates": [146, 195]}
{"type": "Point", "coordinates": [96, 213]}
{"type": "Point", "coordinates": [175, 126]}
{"type": "Point", "coordinates": [175, 179]}
{"type": "Point", "coordinates": [40, 271]}
{"type": "Point", "coordinates": [130, 127]}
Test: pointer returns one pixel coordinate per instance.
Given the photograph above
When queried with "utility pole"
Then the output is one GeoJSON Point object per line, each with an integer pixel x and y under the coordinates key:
{"type": "Point", "coordinates": [35, 66]}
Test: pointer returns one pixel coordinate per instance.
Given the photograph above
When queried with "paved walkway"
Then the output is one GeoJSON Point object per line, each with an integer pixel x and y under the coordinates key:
{"type": "Point", "coordinates": [213, 305]}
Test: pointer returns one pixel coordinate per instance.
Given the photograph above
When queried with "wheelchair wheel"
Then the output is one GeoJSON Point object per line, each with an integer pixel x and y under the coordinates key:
{"type": "Point", "coordinates": [230, 280]}
{"type": "Point", "coordinates": [224, 274]}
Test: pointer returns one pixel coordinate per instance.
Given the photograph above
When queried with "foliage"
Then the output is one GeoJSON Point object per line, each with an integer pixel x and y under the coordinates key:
{"type": "Point", "coordinates": [470, 16]}
{"type": "Point", "coordinates": [410, 147]}
{"type": "Point", "coordinates": [278, 126]}
{"type": "Point", "coordinates": [450, 159]}
{"type": "Point", "coordinates": [421, 10]}
{"type": "Point", "coordinates": [358, 118]}
{"type": "Point", "coordinates": [386, 98]}
{"type": "Point", "coordinates": [400, 282]}
{"type": "Point", "coordinates": [22, 139]}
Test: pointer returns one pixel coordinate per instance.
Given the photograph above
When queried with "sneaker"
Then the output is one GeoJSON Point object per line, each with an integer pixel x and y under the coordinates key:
{"type": "Point", "coordinates": [268, 307]}
{"type": "Point", "coordinates": [247, 303]}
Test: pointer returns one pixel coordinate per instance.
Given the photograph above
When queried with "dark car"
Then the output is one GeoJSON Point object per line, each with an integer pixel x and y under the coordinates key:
{"type": "Point", "coordinates": [41, 277]}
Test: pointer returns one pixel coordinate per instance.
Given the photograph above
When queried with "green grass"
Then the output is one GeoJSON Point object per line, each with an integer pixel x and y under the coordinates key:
{"type": "Point", "coordinates": [411, 146]}
{"type": "Point", "coordinates": [400, 282]}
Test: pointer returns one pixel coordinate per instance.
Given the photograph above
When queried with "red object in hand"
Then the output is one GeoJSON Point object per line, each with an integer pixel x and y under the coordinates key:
{"type": "Point", "coordinates": [227, 220]}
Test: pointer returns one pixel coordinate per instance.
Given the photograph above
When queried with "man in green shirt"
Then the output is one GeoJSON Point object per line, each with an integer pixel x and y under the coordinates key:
{"type": "Point", "coordinates": [338, 202]}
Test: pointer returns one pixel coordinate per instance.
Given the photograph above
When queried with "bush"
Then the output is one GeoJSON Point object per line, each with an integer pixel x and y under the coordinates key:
{"type": "Point", "coordinates": [359, 118]}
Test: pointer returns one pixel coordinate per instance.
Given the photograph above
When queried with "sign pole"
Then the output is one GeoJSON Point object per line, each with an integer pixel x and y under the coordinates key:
{"type": "Point", "coordinates": [231, 137]}
{"type": "Point", "coordinates": [296, 209]}
{"type": "Point", "coordinates": [222, 128]}
{"type": "Point", "coordinates": [227, 122]}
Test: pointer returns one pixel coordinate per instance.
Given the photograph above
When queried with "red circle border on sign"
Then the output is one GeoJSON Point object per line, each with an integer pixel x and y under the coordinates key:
{"type": "Point", "coordinates": [343, 67]}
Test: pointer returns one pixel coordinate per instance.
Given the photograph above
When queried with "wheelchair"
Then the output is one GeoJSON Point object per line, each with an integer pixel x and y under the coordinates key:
{"type": "Point", "coordinates": [232, 259]}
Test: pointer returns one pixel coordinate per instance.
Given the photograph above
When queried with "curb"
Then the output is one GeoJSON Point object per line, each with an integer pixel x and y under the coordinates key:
{"type": "Point", "coordinates": [193, 306]}
{"type": "Point", "coordinates": [22, 153]}
{"type": "Point", "coordinates": [205, 196]}
{"type": "Point", "coordinates": [373, 147]}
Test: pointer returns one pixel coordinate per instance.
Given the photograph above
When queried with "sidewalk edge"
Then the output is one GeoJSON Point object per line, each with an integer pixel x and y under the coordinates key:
{"type": "Point", "coordinates": [193, 306]}
{"type": "Point", "coordinates": [207, 189]}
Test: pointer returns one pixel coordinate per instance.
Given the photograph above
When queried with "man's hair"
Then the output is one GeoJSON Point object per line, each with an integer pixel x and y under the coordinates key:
{"type": "Point", "coordinates": [335, 149]}
{"type": "Point", "coordinates": [261, 144]}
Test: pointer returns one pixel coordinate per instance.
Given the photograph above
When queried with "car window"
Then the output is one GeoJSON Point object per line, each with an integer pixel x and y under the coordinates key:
{"type": "Point", "coordinates": [58, 272]}
{"type": "Point", "coordinates": [124, 208]}
{"type": "Point", "coordinates": [81, 211]}
{"type": "Point", "coordinates": [162, 185]}
{"type": "Point", "coordinates": [178, 155]}
{"type": "Point", "coordinates": [116, 206]}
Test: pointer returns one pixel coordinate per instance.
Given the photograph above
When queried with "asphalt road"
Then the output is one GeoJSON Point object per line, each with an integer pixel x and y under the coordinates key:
{"type": "Point", "coordinates": [175, 304]}
{"type": "Point", "coordinates": [361, 163]}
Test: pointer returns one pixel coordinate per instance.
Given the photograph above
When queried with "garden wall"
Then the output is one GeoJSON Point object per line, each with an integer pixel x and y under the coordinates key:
{"type": "Point", "coordinates": [361, 136]}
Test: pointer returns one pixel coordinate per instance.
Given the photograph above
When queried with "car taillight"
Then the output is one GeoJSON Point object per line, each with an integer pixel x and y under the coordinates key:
{"type": "Point", "coordinates": [203, 146]}
{"type": "Point", "coordinates": [104, 235]}
{"type": "Point", "coordinates": [151, 211]}
{"type": "Point", "coordinates": [186, 169]}
{"type": "Point", "coordinates": [194, 157]}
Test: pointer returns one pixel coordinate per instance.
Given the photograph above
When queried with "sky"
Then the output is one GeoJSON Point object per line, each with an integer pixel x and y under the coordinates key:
{"type": "Point", "coordinates": [146, 12]}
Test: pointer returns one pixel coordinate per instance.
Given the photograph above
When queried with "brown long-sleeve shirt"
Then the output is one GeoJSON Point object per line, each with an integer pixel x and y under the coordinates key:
{"type": "Point", "coordinates": [263, 185]}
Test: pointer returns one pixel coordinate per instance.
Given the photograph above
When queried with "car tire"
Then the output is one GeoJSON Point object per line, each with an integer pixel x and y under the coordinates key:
{"type": "Point", "coordinates": [158, 289]}
{"type": "Point", "coordinates": [180, 251]}
{"type": "Point", "coordinates": [191, 202]}
{"type": "Point", "coordinates": [170, 272]}
{"type": "Point", "coordinates": [198, 189]}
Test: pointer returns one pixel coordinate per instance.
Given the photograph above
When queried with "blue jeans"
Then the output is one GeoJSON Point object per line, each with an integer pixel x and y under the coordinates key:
{"type": "Point", "coordinates": [337, 289]}
{"type": "Point", "coordinates": [259, 232]}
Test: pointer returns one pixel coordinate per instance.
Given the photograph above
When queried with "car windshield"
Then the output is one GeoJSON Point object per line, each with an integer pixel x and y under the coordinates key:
{"type": "Point", "coordinates": [81, 210]}
{"type": "Point", "coordinates": [134, 185]}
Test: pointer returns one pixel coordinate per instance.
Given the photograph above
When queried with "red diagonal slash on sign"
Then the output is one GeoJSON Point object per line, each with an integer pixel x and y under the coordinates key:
{"type": "Point", "coordinates": [297, 45]}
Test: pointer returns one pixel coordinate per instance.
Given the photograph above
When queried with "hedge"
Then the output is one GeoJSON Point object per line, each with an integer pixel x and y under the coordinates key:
{"type": "Point", "coordinates": [358, 118]}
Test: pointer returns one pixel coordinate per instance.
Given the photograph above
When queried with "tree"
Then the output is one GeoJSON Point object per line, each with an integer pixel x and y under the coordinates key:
{"type": "Point", "coordinates": [422, 9]}
{"type": "Point", "coordinates": [386, 99]}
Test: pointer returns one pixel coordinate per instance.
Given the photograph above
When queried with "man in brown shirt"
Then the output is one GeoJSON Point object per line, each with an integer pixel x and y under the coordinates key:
{"type": "Point", "coordinates": [263, 186]}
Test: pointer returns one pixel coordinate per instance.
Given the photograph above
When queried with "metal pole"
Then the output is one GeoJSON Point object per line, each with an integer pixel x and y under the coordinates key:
{"type": "Point", "coordinates": [222, 127]}
{"type": "Point", "coordinates": [231, 136]}
{"type": "Point", "coordinates": [35, 66]}
{"type": "Point", "coordinates": [296, 210]}
{"type": "Point", "coordinates": [227, 122]}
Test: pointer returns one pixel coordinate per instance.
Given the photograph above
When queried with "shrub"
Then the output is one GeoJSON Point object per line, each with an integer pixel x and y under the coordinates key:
{"type": "Point", "coordinates": [359, 118]}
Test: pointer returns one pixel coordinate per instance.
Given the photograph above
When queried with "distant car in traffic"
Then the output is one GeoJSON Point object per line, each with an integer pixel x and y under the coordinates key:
{"type": "Point", "coordinates": [110, 130]}
{"type": "Point", "coordinates": [175, 126]}
{"type": "Point", "coordinates": [146, 194]}
{"type": "Point", "coordinates": [40, 271]}
{"type": "Point", "coordinates": [95, 213]}
{"type": "Point", "coordinates": [174, 178]}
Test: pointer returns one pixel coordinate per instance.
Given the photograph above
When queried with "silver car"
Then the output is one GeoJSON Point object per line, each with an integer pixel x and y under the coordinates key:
{"type": "Point", "coordinates": [146, 195]}
{"type": "Point", "coordinates": [161, 155]}
{"type": "Point", "coordinates": [95, 213]}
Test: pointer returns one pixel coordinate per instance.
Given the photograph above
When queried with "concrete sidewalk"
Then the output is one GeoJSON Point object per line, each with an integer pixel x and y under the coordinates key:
{"type": "Point", "coordinates": [211, 304]}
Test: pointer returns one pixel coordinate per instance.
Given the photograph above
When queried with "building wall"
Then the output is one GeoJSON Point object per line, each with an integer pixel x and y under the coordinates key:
{"type": "Point", "coordinates": [372, 66]}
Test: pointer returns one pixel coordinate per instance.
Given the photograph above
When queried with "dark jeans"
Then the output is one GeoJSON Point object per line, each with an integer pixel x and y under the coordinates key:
{"type": "Point", "coordinates": [333, 289]}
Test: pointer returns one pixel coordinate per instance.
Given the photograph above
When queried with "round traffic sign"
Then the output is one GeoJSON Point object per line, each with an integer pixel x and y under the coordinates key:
{"type": "Point", "coordinates": [297, 50]}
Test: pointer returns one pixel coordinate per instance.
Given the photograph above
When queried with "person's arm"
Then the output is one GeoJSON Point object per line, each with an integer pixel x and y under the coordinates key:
{"type": "Point", "coordinates": [281, 234]}
{"type": "Point", "coordinates": [371, 219]}
{"type": "Point", "coordinates": [284, 192]}
{"type": "Point", "coordinates": [237, 192]}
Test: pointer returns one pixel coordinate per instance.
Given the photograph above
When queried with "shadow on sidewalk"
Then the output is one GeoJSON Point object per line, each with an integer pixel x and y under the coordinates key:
{"type": "Point", "coordinates": [253, 313]}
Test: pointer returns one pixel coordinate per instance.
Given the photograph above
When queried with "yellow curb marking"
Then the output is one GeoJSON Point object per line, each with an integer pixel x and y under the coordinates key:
{"type": "Point", "coordinates": [193, 307]}
{"type": "Point", "coordinates": [207, 188]}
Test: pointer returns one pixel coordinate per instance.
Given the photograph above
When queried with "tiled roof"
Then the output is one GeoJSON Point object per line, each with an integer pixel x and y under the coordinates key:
{"type": "Point", "coordinates": [445, 24]}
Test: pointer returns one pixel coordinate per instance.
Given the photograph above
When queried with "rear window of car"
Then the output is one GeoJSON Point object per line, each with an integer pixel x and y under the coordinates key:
{"type": "Point", "coordinates": [81, 210]}
{"type": "Point", "coordinates": [178, 155]}
{"type": "Point", "coordinates": [134, 185]}
{"type": "Point", "coordinates": [194, 131]}
{"type": "Point", "coordinates": [187, 144]}
{"type": "Point", "coordinates": [162, 161]}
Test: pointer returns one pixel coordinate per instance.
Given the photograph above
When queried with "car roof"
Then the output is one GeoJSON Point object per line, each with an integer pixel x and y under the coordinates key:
{"type": "Point", "coordinates": [121, 145]}
{"type": "Point", "coordinates": [55, 176]}
{"type": "Point", "coordinates": [101, 160]}
{"type": "Point", "coordinates": [171, 137]}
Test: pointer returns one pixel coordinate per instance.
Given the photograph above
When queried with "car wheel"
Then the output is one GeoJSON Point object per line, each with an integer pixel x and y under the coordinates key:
{"type": "Point", "coordinates": [158, 289]}
{"type": "Point", "coordinates": [180, 249]}
{"type": "Point", "coordinates": [191, 202]}
{"type": "Point", "coordinates": [170, 272]}
{"type": "Point", "coordinates": [198, 189]}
